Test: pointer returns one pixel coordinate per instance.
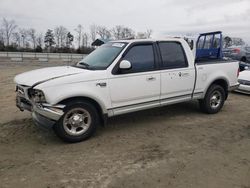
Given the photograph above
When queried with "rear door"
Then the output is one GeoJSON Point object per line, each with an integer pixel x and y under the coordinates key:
{"type": "Point", "coordinates": [177, 76]}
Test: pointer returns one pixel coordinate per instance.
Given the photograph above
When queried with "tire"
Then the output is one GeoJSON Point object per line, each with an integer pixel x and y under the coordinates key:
{"type": "Point", "coordinates": [244, 59]}
{"type": "Point", "coordinates": [214, 100]}
{"type": "Point", "coordinates": [78, 123]}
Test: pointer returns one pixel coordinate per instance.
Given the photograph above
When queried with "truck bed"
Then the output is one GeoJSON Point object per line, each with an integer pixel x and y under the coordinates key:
{"type": "Point", "coordinates": [209, 69]}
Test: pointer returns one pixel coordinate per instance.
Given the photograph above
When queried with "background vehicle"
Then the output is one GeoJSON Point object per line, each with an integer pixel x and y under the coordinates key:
{"type": "Point", "coordinates": [243, 65]}
{"type": "Point", "coordinates": [126, 76]}
{"type": "Point", "coordinates": [241, 53]}
{"type": "Point", "coordinates": [244, 80]}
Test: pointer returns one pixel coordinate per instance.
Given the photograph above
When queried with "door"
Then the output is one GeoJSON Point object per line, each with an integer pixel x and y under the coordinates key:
{"type": "Point", "coordinates": [138, 87]}
{"type": "Point", "coordinates": [177, 76]}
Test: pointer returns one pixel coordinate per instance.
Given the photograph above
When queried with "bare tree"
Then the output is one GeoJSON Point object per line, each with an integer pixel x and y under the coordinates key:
{"type": "Point", "coordinates": [144, 35]}
{"type": "Point", "coordinates": [39, 40]}
{"type": "Point", "coordinates": [1, 36]}
{"type": "Point", "coordinates": [61, 36]}
{"type": "Point", "coordinates": [141, 35]}
{"type": "Point", "coordinates": [103, 32]}
{"type": "Point", "coordinates": [24, 36]}
{"type": "Point", "coordinates": [149, 33]}
{"type": "Point", "coordinates": [57, 36]}
{"type": "Point", "coordinates": [32, 37]}
{"type": "Point", "coordinates": [69, 40]}
{"type": "Point", "coordinates": [8, 29]}
{"type": "Point", "coordinates": [121, 32]}
{"type": "Point", "coordinates": [79, 30]}
{"type": "Point", "coordinates": [93, 29]}
{"type": "Point", "coordinates": [127, 33]}
{"type": "Point", "coordinates": [17, 39]}
{"type": "Point", "coordinates": [85, 39]}
{"type": "Point", "coordinates": [117, 31]}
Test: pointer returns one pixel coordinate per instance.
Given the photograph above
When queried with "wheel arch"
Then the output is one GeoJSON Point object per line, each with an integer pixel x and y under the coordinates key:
{"type": "Point", "coordinates": [100, 109]}
{"type": "Point", "coordinates": [223, 83]}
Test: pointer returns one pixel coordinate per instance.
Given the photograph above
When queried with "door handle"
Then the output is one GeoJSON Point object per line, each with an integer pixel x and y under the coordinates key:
{"type": "Point", "coordinates": [183, 74]}
{"type": "Point", "coordinates": [101, 84]}
{"type": "Point", "coordinates": [151, 78]}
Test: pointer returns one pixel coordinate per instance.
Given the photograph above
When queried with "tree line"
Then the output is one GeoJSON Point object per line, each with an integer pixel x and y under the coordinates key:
{"type": "Point", "coordinates": [60, 39]}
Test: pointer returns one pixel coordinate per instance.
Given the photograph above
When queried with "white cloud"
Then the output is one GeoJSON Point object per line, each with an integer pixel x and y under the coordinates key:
{"type": "Point", "coordinates": [163, 16]}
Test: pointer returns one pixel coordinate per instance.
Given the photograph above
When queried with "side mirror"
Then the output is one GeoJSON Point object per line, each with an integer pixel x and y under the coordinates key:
{"type": "Point", "coordinates": [125, 65]}
{"type": "Point", "coordinates": [246, 68]}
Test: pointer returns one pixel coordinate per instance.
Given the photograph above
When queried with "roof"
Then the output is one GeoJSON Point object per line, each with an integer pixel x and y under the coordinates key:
{"type": "Point", "coordinates": [151, 40]}
{"type": "Point", "coordinates": [99, 42]}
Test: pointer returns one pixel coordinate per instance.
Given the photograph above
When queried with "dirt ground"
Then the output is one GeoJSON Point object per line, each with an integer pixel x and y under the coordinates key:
{"type": "Point", "coordinates": [174, 146]}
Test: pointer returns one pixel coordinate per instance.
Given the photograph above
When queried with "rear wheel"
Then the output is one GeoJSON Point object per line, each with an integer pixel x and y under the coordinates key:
{"type": "Point", "coordinates": [214, 100]}
{"type": "Point", "coordinates": [78, 122]}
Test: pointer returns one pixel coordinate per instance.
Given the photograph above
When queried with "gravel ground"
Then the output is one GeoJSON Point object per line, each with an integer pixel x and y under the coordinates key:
{"type": "Point", "coordinates": [173, 146]}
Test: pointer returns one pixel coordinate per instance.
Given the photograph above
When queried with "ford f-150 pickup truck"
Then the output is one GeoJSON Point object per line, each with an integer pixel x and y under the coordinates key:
{"type": "Point", "coordinates": [121, 77]}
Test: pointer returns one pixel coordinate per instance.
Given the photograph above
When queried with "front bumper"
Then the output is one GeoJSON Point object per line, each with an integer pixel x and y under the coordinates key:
{"type": "Point", "coordinates": [42, 121]}
{"type": "Point", "coordinates": [43, 114]}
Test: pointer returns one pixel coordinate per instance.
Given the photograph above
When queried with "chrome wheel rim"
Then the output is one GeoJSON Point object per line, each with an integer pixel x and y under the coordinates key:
{"type": "Point", "coordinates": [76, 121]}
{"type": "Point", "coordinates": [215, 99]}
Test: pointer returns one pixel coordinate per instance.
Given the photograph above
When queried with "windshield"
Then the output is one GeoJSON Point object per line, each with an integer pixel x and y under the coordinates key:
{"type": "Point", "coordinates": [102, 57]}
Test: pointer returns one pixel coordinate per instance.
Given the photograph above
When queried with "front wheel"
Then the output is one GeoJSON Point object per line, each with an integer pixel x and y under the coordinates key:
{"type": "Point", "coordinates": [78, 122]}
{"type": "Point", "coordinates": [214, 100]}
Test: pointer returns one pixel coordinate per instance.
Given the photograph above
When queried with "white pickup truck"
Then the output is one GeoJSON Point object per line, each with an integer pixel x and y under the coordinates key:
{"type": "Point", "coordinates": [121, 77]}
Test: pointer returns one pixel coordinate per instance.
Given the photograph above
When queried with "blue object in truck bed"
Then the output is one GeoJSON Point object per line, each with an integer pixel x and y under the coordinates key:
{"type": "Point", "coordinates": [209, 46]}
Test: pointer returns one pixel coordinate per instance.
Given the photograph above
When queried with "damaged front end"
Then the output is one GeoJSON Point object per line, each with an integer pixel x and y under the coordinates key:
{"type": "Point", "coordinates": [33, 100]}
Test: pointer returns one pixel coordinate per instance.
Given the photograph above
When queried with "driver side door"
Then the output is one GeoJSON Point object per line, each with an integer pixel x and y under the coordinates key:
{"type": "Point", "coordinates": [139, 87]}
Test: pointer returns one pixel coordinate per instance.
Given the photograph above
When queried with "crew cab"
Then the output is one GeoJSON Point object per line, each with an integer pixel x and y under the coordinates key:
{"type": "Point", "coordinates": [122, 77]}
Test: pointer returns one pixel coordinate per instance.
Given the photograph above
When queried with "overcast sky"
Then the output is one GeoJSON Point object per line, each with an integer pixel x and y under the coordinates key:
{"type": "Point", "coordinates": [164, 17]}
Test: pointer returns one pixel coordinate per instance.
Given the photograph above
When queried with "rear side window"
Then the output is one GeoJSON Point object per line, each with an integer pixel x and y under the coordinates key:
{"type": "Point", "coordinates": [172, 55]}
{"type": "Point", "coordinates": [141, 58]}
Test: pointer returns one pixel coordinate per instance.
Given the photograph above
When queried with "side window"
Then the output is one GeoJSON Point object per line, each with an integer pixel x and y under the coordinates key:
{"type": "Point", "coordinates": [208, 41]}
{"type": "Point", "coordinates": [200, 42]}
{"type": "Point", "coordinates": [216, 42]}
{"type": "Point", "coordinates": [141, 58]}
{"type": "Point", "coordinates": [172, 55]}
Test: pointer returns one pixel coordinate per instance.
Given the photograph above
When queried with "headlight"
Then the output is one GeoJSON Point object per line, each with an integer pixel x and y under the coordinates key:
{"type": "Point", "coordinates": [37, 96]}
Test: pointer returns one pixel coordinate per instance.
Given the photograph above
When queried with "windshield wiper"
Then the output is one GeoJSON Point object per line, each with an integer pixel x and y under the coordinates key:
{"type": "Point", "coordinates": [83, 63]}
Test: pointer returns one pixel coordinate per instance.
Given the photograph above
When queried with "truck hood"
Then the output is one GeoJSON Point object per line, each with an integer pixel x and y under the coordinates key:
{"type": "Point", "coordinates": [38, 76]}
